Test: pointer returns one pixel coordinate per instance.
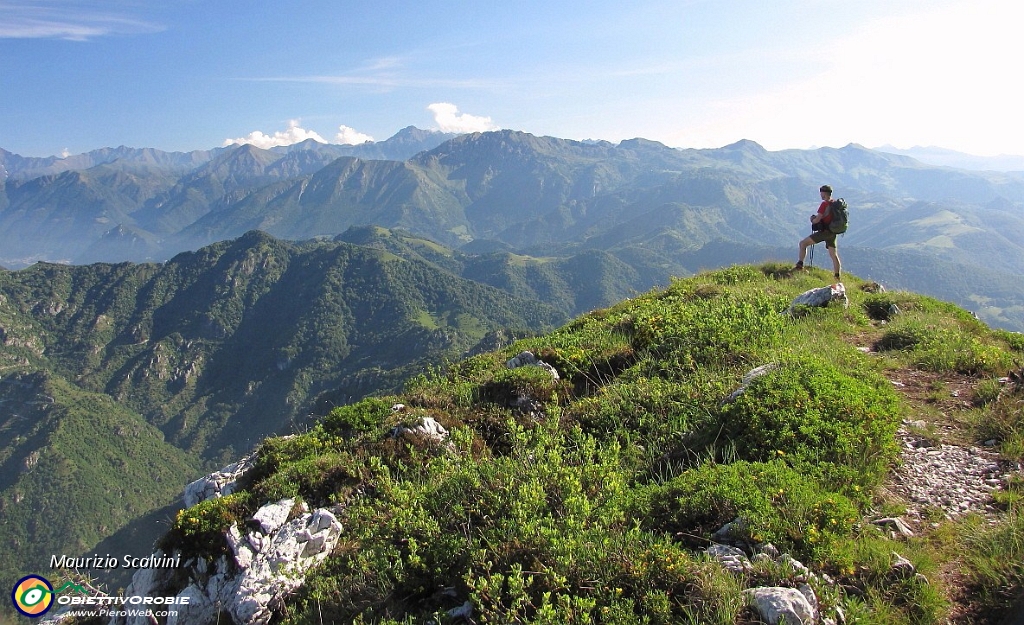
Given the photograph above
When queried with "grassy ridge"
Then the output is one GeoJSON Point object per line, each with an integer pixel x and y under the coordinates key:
{"type": "Point", "coordinates": [590, 499]}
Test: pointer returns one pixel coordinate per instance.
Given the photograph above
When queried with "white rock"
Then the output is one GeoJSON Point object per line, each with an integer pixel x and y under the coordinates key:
{"type": "Point", "coordinates": [264, 570]}
{"type": "Point", "coordinates": [902, 567]}
{"type": "Point", "coordinates": [218, 483]}
{"type": "Point", "coordinates": [797, 566]}
{"type": "Point", "coordinates": [426, 427]}
{"type": "Point", "coordinates": [240, 547]}
{"type": "Point", "coordinates": [731, 558]}
{"type": "Point", "coordinates": [463, 611]}
{"type": "Point", "coordinates": [521, 360]}
{"type": "Point", "coordinates": [896, 524]}
{"type": "Point", "coordinates": [788, 606]}
{"type": "Point", "coordinates": [322, 520]}
{"type": "Point", "coordinates": [527, 359]}
{"type": "Point", "coordinates": [821, 296]}
{"type": "Point", "coordinates": [273, 515]}
{"type": "Point", "coordinates": [280, 567]}
{"type": "Point", "coordinates": [749, 377]}
{"type": "Point", "coordinates": [314, 545]}
{"type": "Point", "coordinates": [146, 582]}
{"type": "Point", "coordinates": [199, 609]}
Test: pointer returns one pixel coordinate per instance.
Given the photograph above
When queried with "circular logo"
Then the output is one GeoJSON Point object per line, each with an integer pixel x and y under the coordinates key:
{"type": "Point", "coordinates": [32, 595]}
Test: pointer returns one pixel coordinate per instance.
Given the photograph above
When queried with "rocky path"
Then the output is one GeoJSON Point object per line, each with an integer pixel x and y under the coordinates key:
{"type": "Point", "coordinates": [944, 473]}
{"type": "Point", "coordinates": [940, 468]}
{"type": "Point", "coordinates": [952, 478]}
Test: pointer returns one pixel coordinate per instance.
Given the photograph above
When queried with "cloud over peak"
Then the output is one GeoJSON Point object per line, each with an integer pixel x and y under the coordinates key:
{"type": "Point", "coordinates": [449, 119]}
{"type": "Point", "coordinates": [350, 136]}
{"type": "Point", "coordinates": [294, 134]}
{"type": "Point", "coordinates": [446, 117]}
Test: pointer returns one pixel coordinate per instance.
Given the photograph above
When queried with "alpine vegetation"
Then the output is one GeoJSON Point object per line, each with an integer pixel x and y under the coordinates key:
{"type": "Point", "coordinates": [705, 453]}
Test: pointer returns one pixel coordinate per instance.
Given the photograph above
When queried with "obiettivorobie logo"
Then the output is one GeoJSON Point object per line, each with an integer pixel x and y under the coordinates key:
{"type": "Point", "coordinates": [34, 595]}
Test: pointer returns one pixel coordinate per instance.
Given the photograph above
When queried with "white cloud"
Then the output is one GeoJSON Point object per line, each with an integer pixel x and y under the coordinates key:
{"type": "Point", "coordinates": [449, 119]}
{"type": "Point", "coordinates": [351, 136]}
{"type": "Point", "coordinates": [294, 134]}
{"type": "Point", "coordinates": [61, 19]}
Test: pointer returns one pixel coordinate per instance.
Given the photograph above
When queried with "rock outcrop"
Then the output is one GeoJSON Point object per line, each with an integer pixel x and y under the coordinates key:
{"type": "Point", "coordinates": [269, 559]}
{"type": "Point", "coordinates": [786, 606]}
{"type": "Point", "coordinates": [749, 377]}
{"type": "Point", "coordinates": [527, 359]}
{"type": "Point", "coordinates": [267, 565]}
{"type": "Point", "coordinates": [426, 428]}
{"type": "Point", "coordinates": [218, 483]}
{"type": "Point", "coordinates": [820, 297]}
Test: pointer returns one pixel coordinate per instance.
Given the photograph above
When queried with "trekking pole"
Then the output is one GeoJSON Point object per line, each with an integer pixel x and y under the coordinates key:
{"type": "Point", "coordinates": [810, 260]}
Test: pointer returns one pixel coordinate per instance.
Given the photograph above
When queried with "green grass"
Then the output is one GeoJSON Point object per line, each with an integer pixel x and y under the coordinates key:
{"type": "Point", "coordinates": [996, 557]}
{"type": "Point", "coordinates": [595, 508]}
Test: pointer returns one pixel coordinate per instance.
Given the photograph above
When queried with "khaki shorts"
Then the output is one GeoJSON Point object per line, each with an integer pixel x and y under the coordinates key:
{"type": "Point", "coordinates": [827, 236]}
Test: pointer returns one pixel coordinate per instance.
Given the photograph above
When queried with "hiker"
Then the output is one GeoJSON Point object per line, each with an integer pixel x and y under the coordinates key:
{"type": "Point", "coordinates": [820, 232]}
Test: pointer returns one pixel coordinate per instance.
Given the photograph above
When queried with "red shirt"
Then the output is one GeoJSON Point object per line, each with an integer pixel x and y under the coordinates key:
{"type": "Point", "coordinates": [827, 219]}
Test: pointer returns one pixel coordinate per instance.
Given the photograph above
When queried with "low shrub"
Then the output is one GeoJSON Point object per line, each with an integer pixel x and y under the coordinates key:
{"type": "Point", "coordinates": [588, 352]}
{"type": "Point", "coordinates": [987, 391]}
{"type": "Point", "coordinates": [274, 453]}
{"type": "Point", "coordinates": [953, 350]}
{"type": "Point", "coordinates": [876, 594]}
{"type": "Point", "coordinates": [1002, 419]}
{"type": "Point", "coordinates": [1013, 340]}
{"type": "Point", "coordinates": [643, 409]}
{"type": "Point", "coordinates": [723, 330]}
{"type": "Point", "coordinates": [737, 274]}
{"type": "Point", "coordinates": [838, 425]}
{"type": "Point", "coordinates": [364, 416]}
{"type": "Point", "coordinates": [957, 347]}
{"type": "Point", "coordinates": [995, 560]}
{"type": "Point", "coordinates": [534, 383]}
{"type": "Point", "coordinates": [775, 504]}
{"type": "Point", "coordinates": [199, 531]}
{"type": "Point", "coordinates": [880, 306]}
{"type": "Point", "coordinates": [320, 480]}
{"type": "Point", "coordinates": [904, 335]}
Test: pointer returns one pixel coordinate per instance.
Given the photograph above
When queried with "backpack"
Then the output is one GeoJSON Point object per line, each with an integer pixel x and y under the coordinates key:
{"type": "Point", "coordinates": [840, 216]}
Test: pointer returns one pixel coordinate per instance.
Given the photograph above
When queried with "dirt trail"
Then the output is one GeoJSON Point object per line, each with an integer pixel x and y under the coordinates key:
{"type": "Point", "coordinates": [943, 471]}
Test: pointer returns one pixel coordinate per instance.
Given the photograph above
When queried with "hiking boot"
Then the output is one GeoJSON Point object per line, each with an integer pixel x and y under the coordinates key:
{"type": "Point", "coordinates": [799, 265]}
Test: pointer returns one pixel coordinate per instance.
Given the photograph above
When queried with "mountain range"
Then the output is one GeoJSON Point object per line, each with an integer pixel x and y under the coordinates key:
{"type": "Point", "coordinates": [951, 158]}
{"type": "Point", "coordinates": [162, 313]}
{"type": "Point", "coordinates": [651, 207]}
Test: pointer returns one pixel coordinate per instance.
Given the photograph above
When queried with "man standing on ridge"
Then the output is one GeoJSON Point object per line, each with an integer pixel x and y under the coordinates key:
{"type": "Point", "coordinates": [820, 232]}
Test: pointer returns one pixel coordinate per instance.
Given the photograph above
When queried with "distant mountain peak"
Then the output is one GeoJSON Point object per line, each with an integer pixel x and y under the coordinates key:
{"type": "Point", "coordinates": [418, 134]}
{"type": "Point", "coordinates": [944, 157]}
{"type": "Point", "coordinates": [746, 145]}
{"type": "Point", "coordinates": [640, 142]}
{"type": "Point", "coordinates": [308, 143]}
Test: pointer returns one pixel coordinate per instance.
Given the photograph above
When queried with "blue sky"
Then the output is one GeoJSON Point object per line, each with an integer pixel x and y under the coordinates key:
{"type": "Point", "coordinates": [194, 74]}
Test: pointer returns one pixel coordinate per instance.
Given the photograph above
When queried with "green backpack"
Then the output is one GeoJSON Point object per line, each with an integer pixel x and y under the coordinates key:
{"type": "Point", "coordinates": [840, 216]}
